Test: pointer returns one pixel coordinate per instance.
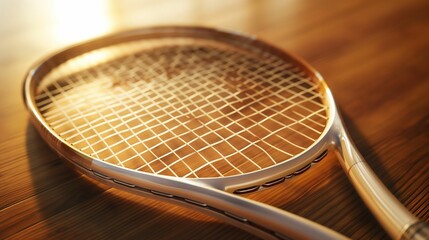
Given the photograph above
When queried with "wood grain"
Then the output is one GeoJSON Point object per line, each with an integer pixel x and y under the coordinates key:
{"type": "Point", "coordinates": [373, 54]}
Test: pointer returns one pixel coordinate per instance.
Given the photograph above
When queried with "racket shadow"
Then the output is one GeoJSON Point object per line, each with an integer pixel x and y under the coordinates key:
{"type": "Point", "coordinates": [71, 204]}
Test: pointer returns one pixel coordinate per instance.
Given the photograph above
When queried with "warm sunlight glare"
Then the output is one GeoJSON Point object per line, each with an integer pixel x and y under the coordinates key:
{"type": "Point", "coordinates": [80, 19]}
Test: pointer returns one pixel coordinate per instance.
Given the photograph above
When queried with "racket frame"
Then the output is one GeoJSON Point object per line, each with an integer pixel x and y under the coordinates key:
{"type": "Point", "coordinates": [213, 195]}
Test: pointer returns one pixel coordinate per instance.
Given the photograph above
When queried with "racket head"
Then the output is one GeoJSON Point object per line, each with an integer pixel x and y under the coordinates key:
{"type": "Point", "coordinates": [46, 81]}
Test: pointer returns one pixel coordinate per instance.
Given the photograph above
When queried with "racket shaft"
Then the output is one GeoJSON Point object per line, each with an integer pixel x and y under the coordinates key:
{"type": "Point", "coordinates": [391, 214]}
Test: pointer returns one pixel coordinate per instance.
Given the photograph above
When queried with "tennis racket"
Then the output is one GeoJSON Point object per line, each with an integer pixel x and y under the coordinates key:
{"type": "Point", "coordinates": [196, 116]}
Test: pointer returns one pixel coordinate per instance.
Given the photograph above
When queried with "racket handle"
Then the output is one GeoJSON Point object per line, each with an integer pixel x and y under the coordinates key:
{"type": "Point", "coordinates": [398, 222]}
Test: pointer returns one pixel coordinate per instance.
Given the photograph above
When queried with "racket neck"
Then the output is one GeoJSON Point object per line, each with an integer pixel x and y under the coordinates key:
{"type": "Point", "coordinates": [390, 213]}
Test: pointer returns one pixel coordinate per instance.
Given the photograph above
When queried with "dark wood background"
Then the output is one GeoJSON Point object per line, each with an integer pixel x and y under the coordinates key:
{"type": "Point", "coordinates": [374, 56]}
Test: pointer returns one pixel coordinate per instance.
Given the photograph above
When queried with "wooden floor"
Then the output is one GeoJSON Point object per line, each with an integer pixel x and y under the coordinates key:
{"type": "Point", "coordinates": [374, 56]}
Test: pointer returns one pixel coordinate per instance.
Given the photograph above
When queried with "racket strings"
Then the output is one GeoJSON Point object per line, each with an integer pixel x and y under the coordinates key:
{"type": "Point", "coordinates": [186, 110]}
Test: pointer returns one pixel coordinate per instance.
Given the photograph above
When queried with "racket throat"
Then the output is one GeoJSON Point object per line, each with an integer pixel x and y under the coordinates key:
{"type": "Point", "coordinates": [389, 212]}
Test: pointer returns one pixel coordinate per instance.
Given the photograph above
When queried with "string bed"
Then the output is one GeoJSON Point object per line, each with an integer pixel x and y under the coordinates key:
{"type": "Point", "coordinates": [183, 107]}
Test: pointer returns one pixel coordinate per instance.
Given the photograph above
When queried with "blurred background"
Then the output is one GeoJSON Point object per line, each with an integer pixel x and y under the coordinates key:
{"type": "Point", "coordinates": [374, 56]}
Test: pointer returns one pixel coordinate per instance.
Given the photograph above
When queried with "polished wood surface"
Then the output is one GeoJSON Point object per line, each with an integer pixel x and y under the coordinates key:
{"type": "Point", "coordinates": [374, 56]}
